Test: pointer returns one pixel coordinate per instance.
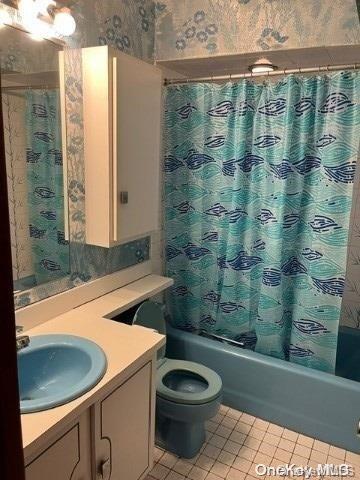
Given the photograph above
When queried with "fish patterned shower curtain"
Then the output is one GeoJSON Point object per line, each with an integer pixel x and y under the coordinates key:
{"type": "Point", "coordinates": [50, 250]}
{"type": "Point", "coordinates": [258, 193]}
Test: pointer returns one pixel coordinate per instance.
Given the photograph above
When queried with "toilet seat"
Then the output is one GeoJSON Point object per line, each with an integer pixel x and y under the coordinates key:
{"type": "Point", "coordinates": [178, 381]}
{"type": "Point", "coordinates": [212, 391]}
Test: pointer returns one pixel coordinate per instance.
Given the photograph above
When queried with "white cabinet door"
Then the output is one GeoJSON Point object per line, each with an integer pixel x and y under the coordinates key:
{"type": "Point", "coordinates": [124, 429]}
{"type": "Point", "coordinates": [67, 458]}
{"type": "Point", "coordinates": [122, 118]}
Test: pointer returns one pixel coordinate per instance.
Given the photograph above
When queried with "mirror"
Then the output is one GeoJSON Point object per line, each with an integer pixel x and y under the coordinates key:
{"type": "Point", "coordinates": [32, 129]}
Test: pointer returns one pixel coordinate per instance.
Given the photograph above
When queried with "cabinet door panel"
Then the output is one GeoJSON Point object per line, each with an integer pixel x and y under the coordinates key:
{"type": "Point", "coordinates": [68, 458]}
{"type": "Point", "coordinates": [124, 424]}
{"type": "Point", "coordinates": [137, 137]}
{"type": "Point", "coordinates": [122, 119]}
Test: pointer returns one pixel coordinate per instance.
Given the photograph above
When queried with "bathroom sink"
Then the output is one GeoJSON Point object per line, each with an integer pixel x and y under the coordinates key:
{"type": "Point", "coordinates": [55, 369]}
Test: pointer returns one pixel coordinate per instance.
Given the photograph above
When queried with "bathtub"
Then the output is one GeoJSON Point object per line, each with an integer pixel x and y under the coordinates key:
{"type": "Point", "coordinates": [317, 404]}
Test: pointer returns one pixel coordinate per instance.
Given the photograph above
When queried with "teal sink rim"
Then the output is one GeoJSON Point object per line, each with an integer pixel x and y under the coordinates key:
{"type": "Point", "coordinates": [96, 357]}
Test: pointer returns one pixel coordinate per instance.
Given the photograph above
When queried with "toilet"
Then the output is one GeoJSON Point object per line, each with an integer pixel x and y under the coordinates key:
{"type": "Point", "coordinates": [187, 393]}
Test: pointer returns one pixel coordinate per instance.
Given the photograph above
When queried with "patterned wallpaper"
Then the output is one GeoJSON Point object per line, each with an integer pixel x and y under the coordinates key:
{"type": "Point", "coordinates": [15, 145]}
{"type": "Point", "coordinates": [198, 28]}
{"type": "Point", "coordinates": [127, 26]}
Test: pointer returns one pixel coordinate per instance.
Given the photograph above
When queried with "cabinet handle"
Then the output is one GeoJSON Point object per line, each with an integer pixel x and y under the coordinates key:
{"type": "Point", "coordinates": [114, 149]}
{"type": "Point", "coordinates": [104, 469]}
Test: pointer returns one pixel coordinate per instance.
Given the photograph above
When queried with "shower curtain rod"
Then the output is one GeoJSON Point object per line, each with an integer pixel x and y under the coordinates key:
{"type": "Point", "coordinates": [286, 71]}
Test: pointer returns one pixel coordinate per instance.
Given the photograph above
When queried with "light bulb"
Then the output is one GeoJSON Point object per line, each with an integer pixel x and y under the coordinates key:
{"type": "Point", "coordinates": [5, 18]}
{"type": "Point", "coordinates": [38, 30]}
{"type": "Point", "coordinates": [27, 8]}
{"type": "Point", "coordinates": [43, 5]}
{"type": "Point", "coordinates": [29, 13]}
{"type": "Point", "coordinates": [64, 22]}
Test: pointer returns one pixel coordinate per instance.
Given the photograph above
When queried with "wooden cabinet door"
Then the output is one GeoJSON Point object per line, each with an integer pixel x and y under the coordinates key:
{"type": "Point", "coordinates": [123, 426]}
{"type": "Point", "coordinates": [122, 119]}
{"type": "Point", "coordinates": [67, 458]}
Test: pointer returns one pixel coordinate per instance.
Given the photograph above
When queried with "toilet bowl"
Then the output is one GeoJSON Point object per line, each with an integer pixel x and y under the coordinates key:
{"type": "Point", "coordinates": [187, 393]}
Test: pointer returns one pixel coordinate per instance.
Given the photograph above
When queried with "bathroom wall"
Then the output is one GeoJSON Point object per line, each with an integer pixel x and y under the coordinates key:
{"type": "Point", "coordinates": [198, 28]}
{"type": "Point", "coordinates": [127, 26]}
{"type": "Point", "coordinates": [231, 26]}
{"type": "Point", "coordinates": [350, 312]}
{"type": "Point", "coordinates": [15, 145]}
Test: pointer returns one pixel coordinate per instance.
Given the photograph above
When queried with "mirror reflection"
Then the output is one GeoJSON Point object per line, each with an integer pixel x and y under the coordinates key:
{"type": "Point", "coordinates": [31, 114]}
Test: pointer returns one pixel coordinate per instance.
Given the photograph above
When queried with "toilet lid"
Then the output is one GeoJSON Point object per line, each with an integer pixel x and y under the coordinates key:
{"type": "Point", "coordinates": [186, 382]}
{"type": "Point", "coordinates": [150, 315]}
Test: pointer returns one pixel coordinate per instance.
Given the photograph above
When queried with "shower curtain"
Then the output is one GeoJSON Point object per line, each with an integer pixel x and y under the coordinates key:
{"type": "Point", "coordinates": [50, 250]}
{"type": "Point", "coordinates": [258, 186]}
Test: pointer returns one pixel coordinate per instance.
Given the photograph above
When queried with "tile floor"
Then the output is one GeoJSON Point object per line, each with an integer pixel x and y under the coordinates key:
{"type": "Point", "coordinates": [236, 442]}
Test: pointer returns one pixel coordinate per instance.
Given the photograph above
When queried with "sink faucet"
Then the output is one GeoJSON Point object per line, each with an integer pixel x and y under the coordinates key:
{"type": "Point", "coordinates": [22, 341]}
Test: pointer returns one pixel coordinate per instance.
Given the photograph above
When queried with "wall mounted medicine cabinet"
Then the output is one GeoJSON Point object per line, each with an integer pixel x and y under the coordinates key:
{"type": "Point", "coordinates": [122, 113]}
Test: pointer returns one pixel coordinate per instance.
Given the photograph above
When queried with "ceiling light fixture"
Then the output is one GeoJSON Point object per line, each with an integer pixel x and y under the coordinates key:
{"type": "Point", "coordinates": [263, 65]}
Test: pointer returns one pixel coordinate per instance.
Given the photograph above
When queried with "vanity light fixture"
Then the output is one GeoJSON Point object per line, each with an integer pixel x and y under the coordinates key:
{"type": "Point", "coordinates": [263, 65]}
{"type": "Point", "coordinates": [44, 18]}
{"type": "Point", "coordinates": [43, 6]}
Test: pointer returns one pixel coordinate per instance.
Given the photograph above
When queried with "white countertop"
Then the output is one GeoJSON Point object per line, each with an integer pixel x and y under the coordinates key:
{"type": "Point", "coordinates": [126, 348]}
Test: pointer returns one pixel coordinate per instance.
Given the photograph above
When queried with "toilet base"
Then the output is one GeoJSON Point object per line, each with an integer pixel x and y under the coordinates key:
{"type": "Point", "coordinates": [183, 439]}
{"type": "Point", "coordinates": [180, 428]}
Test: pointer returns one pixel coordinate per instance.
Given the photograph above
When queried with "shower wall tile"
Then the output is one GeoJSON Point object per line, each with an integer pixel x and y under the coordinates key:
{"type": "Point", "coordinates": [199, 28]}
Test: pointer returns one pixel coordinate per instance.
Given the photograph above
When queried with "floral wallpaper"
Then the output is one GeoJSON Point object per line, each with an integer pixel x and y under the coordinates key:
{"type": "Point", "coordinates": [87, 261]}
{"type": "Point", "coordinates": [127, 26]}
{"type": "Point", "coordinates": [198, 28]}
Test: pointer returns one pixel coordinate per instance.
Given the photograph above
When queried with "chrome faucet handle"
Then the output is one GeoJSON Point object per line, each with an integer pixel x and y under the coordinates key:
{"type": "Point", "coordinates": [22, 341]}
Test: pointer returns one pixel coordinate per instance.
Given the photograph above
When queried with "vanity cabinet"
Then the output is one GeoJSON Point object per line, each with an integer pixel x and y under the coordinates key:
{"type": "Point", "coordinates": [111, 440]}
{"type": "Point", "coordinates": [122, 117]}
{"type": "Point", "coordinates": [123, 429]}
{"type": "Point", "coordinates": [67, 458]}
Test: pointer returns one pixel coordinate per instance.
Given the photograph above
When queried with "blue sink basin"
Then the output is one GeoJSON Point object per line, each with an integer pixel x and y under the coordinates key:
{"type": "Point", "coordinates": [55, 369]}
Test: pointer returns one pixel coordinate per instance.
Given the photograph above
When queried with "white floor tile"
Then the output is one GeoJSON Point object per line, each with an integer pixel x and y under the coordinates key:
{"type": "Point", "coordinates": [236, 442]}
{"type": "Point", "coordinates": [197, 473]}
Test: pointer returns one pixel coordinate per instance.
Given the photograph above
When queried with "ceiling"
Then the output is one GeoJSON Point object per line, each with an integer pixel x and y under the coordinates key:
{"type": "Point", "coordinates": [284, 59]}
